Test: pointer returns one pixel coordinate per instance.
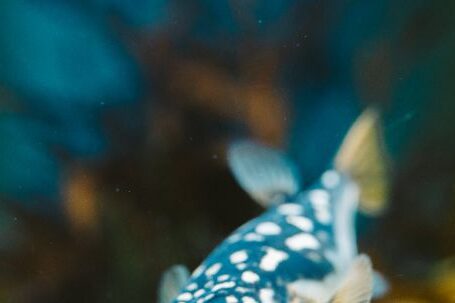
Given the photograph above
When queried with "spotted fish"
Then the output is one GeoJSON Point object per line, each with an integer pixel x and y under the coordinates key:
{"type": "Point", "coordinates": [302, 249]}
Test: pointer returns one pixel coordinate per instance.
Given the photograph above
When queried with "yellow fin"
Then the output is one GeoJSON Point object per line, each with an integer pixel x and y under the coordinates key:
{"type": "Point", "coordinates": [362, 155]}
{"type": "Point", "coordinates": [357, 285]}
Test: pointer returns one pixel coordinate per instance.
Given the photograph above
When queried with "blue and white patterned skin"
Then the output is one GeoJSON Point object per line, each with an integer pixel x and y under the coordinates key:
{"type": "Point", "coordinates": [298, 250]}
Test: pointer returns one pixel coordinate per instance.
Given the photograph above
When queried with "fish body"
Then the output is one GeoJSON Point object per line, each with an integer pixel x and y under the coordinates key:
{"type": "Point", "coordinates": [301, 249]}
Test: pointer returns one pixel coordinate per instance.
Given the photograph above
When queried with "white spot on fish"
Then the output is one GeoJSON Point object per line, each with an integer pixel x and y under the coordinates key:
{"type": "Point", "coordinates": [231, 299]}
{"type": "Point", "coordinates": [209, 296]}
{"type": "Point", "coordinates": [250, 277]}
{"type": "Point", "coordinates": [223, 285]}
{"type": "Point", "coordinates": [302, 223]}
{"type": "Point", "coordinates": [253, 237]}
{"type": "Point", "coordinates": [241, 266]}
{"type": "Point", "coordinates": [330, 179]}
{"type": "Point", "coordinates": [323, 216]}
{"type": "Point", "coordinates": [213, 269]}
{"type": "Point", "coordinates": [266, 295]}
{"type": "Point", "coordinates": [192, 286]}
{"type": "Point", "coordinates": [319, 198]}
{"type": "Point", "coordinates": [186, 296]}
{"type": "Point", "coordinates": [241, 290]}
{"type": "Point", "coordinates": [238, 257]}
{"type": "Point", "coordinates": [234, 238]}
{"type": "Point", "coordinates": [268, 229]}
{"type": "Point", "coordinates": [272, 259]}
{"type": "Point", "coordinates": [290, 209]}
{"type": "Point", "coordinates": [302, 241]}
{"type": "Point", "coordinates": [314, 256]}
{"type": "Point", "coordinates": [323, 236]}
{"type": "Point", "coordinates": [248, 300]}
{"type": "Point", "coordinates": [223, 278]}
{"type": "Point", "coordinates": [199, 293]}
{"type": "Point", "coordinates": [198, 271]}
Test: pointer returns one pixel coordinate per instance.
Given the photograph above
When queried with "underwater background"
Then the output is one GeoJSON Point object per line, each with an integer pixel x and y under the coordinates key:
{"type": "Point", "coordinates": [115, 116]}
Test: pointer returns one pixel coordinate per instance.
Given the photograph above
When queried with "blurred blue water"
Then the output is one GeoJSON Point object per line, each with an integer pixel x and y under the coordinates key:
{"type": "Point", "coordinates": [231, 25]}
{"type": "Point", "coordinates": [66, 65]}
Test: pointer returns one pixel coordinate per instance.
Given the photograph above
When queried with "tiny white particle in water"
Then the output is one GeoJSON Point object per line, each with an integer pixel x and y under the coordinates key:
{"type": "Point", "coordinates": [330, 179]}
{"type": "Point", "coordinates": [250, 277]}
{"type": "Point", "coordinates": [213, 269]}
{"type": "Point", "coordinates": [302, 241]}
{"type": "Point", "coordinates": [238, 257]}
{"type": "Point", "coordinates": [268, 229]}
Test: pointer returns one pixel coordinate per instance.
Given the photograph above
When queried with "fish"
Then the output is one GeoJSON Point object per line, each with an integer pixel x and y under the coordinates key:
{"type": "Point", "coordinates": [301, 249]}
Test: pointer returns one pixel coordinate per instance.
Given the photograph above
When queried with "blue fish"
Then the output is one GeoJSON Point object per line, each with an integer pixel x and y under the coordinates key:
{"type": "Point", "coordinates": [302, 249]}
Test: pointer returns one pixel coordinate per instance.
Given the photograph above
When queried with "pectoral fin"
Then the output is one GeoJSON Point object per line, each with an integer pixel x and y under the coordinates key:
{"type": "Point", "coordinates": [357, 285]}
{"type": "Point", "coordinates": [264, 173]}
{"type": "Point", "coordinates": [172, 281]}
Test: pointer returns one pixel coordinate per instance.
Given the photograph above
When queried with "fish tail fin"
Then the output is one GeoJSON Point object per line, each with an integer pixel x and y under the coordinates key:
{"type": "Point", "coordinates": [266, 174]}
{"type": "Point", "coordinates": [362, 156]}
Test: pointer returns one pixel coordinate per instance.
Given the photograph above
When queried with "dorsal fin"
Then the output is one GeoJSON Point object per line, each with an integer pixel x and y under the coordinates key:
{"type": "Point", "coordinates": [363, 157]}
{"type": "Point", "coordinates": [264, 173]}
{"type": "Point", "coordinates": [357, 285]}
{"type": "Point", "coordinates": [172, 281]}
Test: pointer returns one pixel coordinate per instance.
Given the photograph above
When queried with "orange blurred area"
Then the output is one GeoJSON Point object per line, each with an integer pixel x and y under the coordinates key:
{"type": "Point", "coordinates": [81, 202]}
